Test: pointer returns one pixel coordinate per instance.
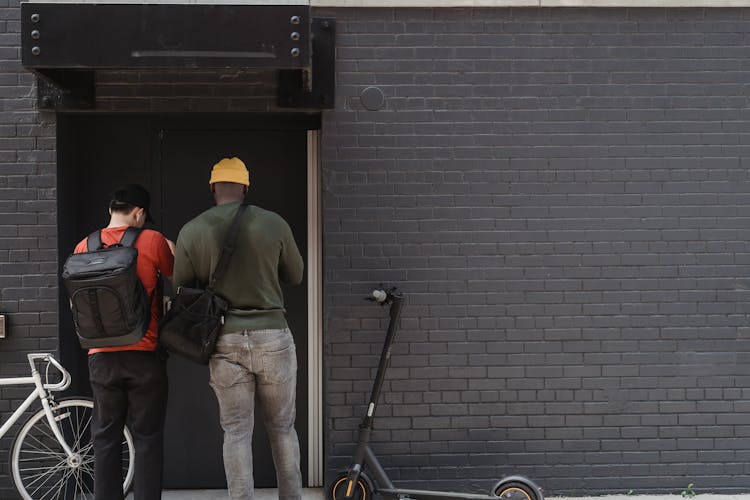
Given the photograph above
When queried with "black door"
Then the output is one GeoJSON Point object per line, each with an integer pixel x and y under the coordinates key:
{"type": "Point", "coordinates": [277, 164]}
{"type": "Point", "coordinates": [173, 158]}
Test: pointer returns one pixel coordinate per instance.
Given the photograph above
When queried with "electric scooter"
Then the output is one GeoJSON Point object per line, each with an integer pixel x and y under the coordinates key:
{"type": "Point", "coordinates": [366, 477]}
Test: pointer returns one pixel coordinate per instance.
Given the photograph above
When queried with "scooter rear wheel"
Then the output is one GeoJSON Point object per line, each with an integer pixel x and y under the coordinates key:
{"type": "Point", "coordinates": [363, 490]}
{"type": "Point", "coordinates": [515, 490]}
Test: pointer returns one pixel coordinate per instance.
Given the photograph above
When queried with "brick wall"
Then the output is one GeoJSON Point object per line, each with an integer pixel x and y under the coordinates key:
{"type": "Point", "coordinates": [560, 192]}
{"type": "Point", "coordinates": [233, 90]}
{"type": "Point", "coordinates": [563, 196]}
{"type": "Point", "coordinates": [28, 231]}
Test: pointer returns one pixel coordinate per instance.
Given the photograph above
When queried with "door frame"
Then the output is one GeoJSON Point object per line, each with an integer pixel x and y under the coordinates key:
{"type": "Point", "coordinates": [314, 267]}
{"type": "Point", "coordinates": [315, 394]}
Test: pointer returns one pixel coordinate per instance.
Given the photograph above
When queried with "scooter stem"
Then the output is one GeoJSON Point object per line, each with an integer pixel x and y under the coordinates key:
{"type": "Point", "coordinates": [385, 357]}
{"type": "Point", "coordinates": [362, 452]}
{"type": "Point", "coordinates": [365, 427]}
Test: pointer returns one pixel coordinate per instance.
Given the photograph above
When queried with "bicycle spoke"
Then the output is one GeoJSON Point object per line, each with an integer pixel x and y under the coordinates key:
{"type": "Point", "coordinates": [74, 427]}
{"type": "Point", "coordinates": [68, 479]}
{"type": "Point", "coordinates": [34, 465]}
{"type": "Point", "coordinates": [79, 423]}
{"type": "Point", "coordinates": [49, 437]}
{"type": "Point", "coordinates": [55, 488]}
{"type": "Point", "coordinates": [87, 459]}
{"type": "Point", "coordinates": [60, 465]}
{"type": "Point", "coordinates": [87, 468]}
{"type": "Point", "coordinates": [79, 428]}
{"type": "Point", "coordinates": [41, 454]}
{"type": "Point", "coordinates": [34, 457]}
{"type": "Point", "coordinates": [45, 477]}
{"type": "Point", "coordinates": [80, 483]}
{"type": "Point", "coordinates": [63, 487]}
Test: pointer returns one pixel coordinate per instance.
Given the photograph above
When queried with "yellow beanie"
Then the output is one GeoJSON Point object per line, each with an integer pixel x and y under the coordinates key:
{"type": "Point", "coordinates": [230, 170]}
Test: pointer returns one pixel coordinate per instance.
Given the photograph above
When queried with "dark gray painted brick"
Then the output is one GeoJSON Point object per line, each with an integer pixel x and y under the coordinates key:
{"type": "Point", "coordinates": [592, 227]}
{"type": "Point", "coordinates": [559, 192]}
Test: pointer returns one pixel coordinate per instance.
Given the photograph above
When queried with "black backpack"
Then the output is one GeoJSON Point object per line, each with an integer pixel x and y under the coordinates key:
{"type": "Point", "coordinates": [110, 306]}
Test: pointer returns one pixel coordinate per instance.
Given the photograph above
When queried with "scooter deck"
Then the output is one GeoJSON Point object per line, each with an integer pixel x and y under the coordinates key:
{"type": "Point", "coordinates": [432, 495]}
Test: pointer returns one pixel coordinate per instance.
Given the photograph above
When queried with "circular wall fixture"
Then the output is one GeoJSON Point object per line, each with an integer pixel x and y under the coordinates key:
{"type": "Point", "coordinates": [372, 98]}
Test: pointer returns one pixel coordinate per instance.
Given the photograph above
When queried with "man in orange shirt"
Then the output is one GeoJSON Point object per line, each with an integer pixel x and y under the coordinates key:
{"type": "Point", "coordinates": [130, 382]}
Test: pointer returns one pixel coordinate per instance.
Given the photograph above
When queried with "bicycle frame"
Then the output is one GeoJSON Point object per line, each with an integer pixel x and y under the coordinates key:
{"type": "Point", "coordinates": [40, 391]}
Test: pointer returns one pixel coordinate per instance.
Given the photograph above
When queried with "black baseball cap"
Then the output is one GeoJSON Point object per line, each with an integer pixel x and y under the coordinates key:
{"type": "Point", "coordinates": [136, 195]}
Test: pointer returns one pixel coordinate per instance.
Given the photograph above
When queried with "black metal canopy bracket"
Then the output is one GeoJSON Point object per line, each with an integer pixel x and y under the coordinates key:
{"type": "Point", "coordinates": [314, 87]}
{"type": "Point", "coordinates": [64, 89]}
{"type": "Point", "coordinates": [65, 43]}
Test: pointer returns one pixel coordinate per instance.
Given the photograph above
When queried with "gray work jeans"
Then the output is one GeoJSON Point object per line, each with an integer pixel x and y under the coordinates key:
{"type": "Point", "coordinates": [262, 361]}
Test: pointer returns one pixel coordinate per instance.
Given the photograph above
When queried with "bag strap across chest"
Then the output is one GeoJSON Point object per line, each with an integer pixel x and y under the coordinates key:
{"type": "Point", "coordinates": [228, 248]}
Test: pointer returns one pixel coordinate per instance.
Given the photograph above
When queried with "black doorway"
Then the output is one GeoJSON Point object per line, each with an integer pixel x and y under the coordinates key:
{"type": "Point", "coordinates": [172, 157]}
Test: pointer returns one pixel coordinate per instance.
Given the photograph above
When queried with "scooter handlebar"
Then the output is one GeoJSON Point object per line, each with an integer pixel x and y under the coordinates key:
{"type": "Point", "coordinates": [385, 296]}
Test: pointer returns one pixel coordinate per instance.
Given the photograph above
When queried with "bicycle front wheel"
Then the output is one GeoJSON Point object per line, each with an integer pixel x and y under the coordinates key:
{"type": "Point", "coordinates": [40, 467]}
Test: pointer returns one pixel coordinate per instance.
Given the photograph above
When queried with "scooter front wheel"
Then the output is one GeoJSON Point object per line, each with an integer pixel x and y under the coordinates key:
{"type": "Point", "coordinates": [517, 490]}
{"type": "Point", "coordinates": [363, 490]}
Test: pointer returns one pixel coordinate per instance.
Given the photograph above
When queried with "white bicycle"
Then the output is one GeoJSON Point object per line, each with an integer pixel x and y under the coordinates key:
{"type": "Point", "coordinates": [52, 455]}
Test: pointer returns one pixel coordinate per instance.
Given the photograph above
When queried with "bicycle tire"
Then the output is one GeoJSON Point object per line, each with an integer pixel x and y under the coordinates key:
{"type": "Point", "coordinates": [40, 467]}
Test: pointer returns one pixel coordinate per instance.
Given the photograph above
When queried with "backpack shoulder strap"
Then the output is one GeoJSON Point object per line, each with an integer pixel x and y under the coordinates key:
{"type": "Point", "coordinates": [94, 241]}
{"type": "Point", "coordinates": [131, 234]}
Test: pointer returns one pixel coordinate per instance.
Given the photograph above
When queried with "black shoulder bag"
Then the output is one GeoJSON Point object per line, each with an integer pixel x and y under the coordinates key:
{"type": "Point", "coordinates": [194, 317]}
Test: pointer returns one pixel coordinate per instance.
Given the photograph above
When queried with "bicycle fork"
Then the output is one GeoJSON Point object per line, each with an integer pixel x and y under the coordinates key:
{"type": "Point", "coordinates": [74, 459]}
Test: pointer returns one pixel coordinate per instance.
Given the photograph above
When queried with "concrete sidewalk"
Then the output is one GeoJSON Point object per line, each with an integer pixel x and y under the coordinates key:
{"type": "Point", "coordinates": [260, 494]}
{"type": "Point", "coordinates": [319, 494]}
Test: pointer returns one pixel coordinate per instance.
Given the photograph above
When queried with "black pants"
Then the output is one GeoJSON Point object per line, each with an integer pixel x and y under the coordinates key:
{"type": "Point", "coordinates": [128, 386]}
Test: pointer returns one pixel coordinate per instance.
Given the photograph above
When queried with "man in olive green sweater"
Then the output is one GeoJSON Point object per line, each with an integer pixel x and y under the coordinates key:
{"type": "Point", "coordinates": [255, 351]}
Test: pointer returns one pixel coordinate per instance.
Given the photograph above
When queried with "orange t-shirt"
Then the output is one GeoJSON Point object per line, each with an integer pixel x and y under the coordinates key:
{"type": "Point", "coordinates": [154, 257]}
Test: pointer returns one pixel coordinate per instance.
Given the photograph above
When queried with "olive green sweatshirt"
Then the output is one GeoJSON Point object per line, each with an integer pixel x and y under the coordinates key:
{"type": "Point", "coordinates": [265, 256]}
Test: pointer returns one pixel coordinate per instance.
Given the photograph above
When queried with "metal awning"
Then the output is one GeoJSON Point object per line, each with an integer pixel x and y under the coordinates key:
{"type": "Point", "coordinates": [65, 43]}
